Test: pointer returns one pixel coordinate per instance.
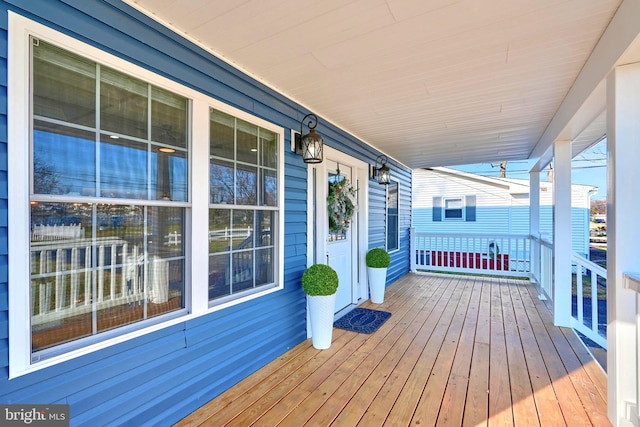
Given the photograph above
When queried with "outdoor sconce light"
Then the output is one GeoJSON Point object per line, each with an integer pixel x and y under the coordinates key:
{"type": "Point", "coordinates": [309, 145]}
{"type": "Point", "coordinates": [382, 173]}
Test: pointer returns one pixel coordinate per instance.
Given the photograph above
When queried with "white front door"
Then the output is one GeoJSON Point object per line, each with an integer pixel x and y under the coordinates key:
{"type": "Point", "coordinates": [340, 255]}
{"type": "Point", "coordinates": [336, 247]}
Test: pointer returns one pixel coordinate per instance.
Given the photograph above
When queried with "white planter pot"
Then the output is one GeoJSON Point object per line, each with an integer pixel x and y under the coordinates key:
{"type": "Point", "coordinates": [321, 312]}
{"type": "Point", "coordinates": [377, 282]}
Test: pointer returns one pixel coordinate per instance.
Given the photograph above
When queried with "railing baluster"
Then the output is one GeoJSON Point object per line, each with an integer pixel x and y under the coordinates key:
{"type": "Point", "coordinates": [580, 293]}
{"type": "Point", "coordinates": [594, 301]}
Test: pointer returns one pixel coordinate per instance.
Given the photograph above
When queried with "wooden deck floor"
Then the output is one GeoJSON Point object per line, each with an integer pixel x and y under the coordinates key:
{"type": "Point", "coordinates": [457, 351]}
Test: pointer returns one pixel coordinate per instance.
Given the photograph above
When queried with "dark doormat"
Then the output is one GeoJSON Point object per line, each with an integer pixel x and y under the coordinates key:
{"type": "Point", "coordinates": [363, 320]}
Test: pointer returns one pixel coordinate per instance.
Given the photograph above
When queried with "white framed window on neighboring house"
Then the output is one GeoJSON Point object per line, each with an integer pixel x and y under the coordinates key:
{"type": "Point", "coordinates": [454, 208]}
{"type": "Point", "coordinates": [393, 223]}
{"type": "Point", "coordinates": [111, 212]}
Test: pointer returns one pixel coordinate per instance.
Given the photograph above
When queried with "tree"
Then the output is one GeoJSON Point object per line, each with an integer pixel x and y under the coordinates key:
{"type": "Point", "coordinates": [598, 207]}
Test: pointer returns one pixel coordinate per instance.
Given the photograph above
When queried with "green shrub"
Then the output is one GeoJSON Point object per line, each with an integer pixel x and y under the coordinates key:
{"type": "Point", "coordinates": [320, 280]}
{"type": "Point", "coordinates": [378, 258]}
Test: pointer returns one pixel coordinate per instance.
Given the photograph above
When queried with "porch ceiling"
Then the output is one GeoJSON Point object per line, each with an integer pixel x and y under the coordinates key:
{"type": "Point", "coordinates": [430, 83]}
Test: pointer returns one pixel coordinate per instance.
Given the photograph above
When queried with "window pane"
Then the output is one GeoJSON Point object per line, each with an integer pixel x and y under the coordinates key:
{"type": "Point", "coordinates": [268, 149]}
{"type": "Point", "coordinates": [265, 221]}
{"type": "Point", "coordinates": [123, 168]}
{"type": "Point", "coordinates": [246, 185]}
{"type": "Point", "coordinates": [221, 140]}
{"type": "Point", "coordinates": [123, 104]}
{"type": "Point", "coordinates": [269, 188]}
{"type": "Point", "coordinates": [64, 85]}
{"type": "Point", "coordinates": [169, 175]}
{"type": "Point", "coordinates": [453, 204]}
{"type": "Point", "coordinates": [221, 182]}
{"type": "Point", "coordinates": [392, 233]}
{"type": "Point", "coordinates": [165, 269]}
{"type": "Point", "coordinates": [392, 216]}
{"type": "Point", "coordinates": [62, 286]}
{"type": "Point", "coordinates": [169, 115]}
{"type": "Point", "coordinates": [89, 269]}
{"type": "Point", "coordinates": [247, 146]}
{"type": "Point", "coordinates": [242, 271]}
{"type": "Point", "coordinates": [242, 232]}
{"type": "Point", "coordinates": [264, 266]}
{"type": "Point", "coordinates": [63, 160]}
{"type": "Point", "coordinates": [453, 213]}
{"type": "Point", "coordinates": [219, 230]}
{"type": "Point", "coordinates": [219, 284]}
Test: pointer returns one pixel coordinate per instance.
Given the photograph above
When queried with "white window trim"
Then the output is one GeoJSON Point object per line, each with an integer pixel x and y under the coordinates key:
{"type": "Point", "coordinates": [196, 251]}
{"type": "Point", "coordinates": [462, 208]}
{"type": "Point", "coordinates": [386, 231]}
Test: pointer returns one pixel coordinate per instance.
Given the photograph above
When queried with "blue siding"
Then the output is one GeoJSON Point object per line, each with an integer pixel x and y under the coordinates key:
{"type": "Point", "coordinates": [377, 221]}
{"type": "Point", "coordinates": [163, 376]}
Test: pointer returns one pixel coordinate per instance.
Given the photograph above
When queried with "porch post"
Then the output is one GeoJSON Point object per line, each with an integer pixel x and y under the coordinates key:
{"type": "Point", "coordinates": [623, 238]}
{"type": "Point", "coordinates": [562, 233]}
{"type": "Point", "coordinates": [534, 223]}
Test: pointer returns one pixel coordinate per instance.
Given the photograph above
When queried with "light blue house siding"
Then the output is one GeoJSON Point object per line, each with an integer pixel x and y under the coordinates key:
{"type": "Point", "coordinates": [501, 206]}
{"type": "Point", "coordinates": [161, 377]}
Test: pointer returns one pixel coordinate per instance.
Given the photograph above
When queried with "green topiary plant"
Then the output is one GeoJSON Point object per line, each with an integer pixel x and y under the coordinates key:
{"type": "Point", "coordinates": [378, 258]}
{"type": "Point", "coordinates": [320, 280]}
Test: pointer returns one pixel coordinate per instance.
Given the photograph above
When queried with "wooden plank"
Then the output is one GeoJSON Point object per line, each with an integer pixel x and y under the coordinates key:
{"type": "Point", "coordinates": [568, 399]}
{"type": "Point", "coordinates": [313, 372]}
{"type": "Point", "coordinates": [453, 344]}
{"type": "Point", "coordinates": [408, 400]}
{"type": "Point", "coordinates": [591, 366]}
{"type": "Point", "coordinates": [499, 386]}
{"type": "Point", "coordinates": [431, 400]}
{"type": "Point", "coordinates": [253, 387]}
{"type": "Point", "coordinates": [378, 410]}
{"type": "Point", "coordinates": [524, 407]}
{"type": "Point", "coordinates": [590, 398]}
{"type": "Point", "coordinates": [547, 405]}
{"type": "Point", "coordinates": [453, 401]}
{"type": "Point", "coordinates": [361, 401]}
{"type": "Point", "coordinates": [329, 399]}
{"type": "Point", "coordinates": [591, 394]}
{"type": "Point", "coordinates": [476, 410]}
{"type": "Point", "coordinates": [294, 400]}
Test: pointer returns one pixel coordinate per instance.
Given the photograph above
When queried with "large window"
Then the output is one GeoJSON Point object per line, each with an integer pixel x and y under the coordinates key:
{"type": "Point", "coordinates": [243, 206]}
{"type": "Point", "coordinates": [393, 225]}
{"type": "Point", "coordinates": [109, 182]}
{"type": "Point", "coordinates": [135, 202]}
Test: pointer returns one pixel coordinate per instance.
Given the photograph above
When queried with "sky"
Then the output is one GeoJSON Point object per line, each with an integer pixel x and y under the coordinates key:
{"type": "Point", "coordinates": [588, 168]}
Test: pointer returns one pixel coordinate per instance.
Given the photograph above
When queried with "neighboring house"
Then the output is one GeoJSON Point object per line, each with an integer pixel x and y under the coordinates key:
{"type": "Point", "coordinates": [451, 201]}
{"type": "Point", "coordinates": [156, 221]}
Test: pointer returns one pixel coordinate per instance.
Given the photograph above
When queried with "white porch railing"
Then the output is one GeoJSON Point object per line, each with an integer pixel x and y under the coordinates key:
{"type": "Point", "coordinates": [589, 315]}
{"type": "Point", "coordinates": [543, 267]}
{"type": "Point", "coordinates": [62, 277]}
{"type": "Point", "coordinates": [495, 254]}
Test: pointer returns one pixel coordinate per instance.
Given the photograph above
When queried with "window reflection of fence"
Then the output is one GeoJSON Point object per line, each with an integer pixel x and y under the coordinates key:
{"type": "Point", "coordinates": [63, 275]}
{"type": "Point", "coordinates": [229, 233]}
{"type": "Point", "coordinates": [56, 232]}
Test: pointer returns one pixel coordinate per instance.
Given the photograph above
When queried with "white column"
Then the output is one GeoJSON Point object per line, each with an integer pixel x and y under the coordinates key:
{"type": "Point", "coordinates": [562, 233]}
{"type": "Point", "coordinates": [623, 235]}
{"type": "Point", "coordinates": [534, 222]}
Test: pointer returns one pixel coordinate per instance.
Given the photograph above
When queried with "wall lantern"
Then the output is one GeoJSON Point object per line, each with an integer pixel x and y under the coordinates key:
{"type": "Point", "coordinates": [309, 145]}
{"type": "Point", "coordinates": [382, 173]}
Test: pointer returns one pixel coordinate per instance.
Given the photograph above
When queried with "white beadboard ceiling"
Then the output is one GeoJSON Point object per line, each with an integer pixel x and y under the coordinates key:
{"type": "Point", "coordinates": [428, 82]}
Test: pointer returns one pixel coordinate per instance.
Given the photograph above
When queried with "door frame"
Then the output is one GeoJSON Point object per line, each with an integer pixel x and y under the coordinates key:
{"type": "Point", "coordinates": [317, 246]}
